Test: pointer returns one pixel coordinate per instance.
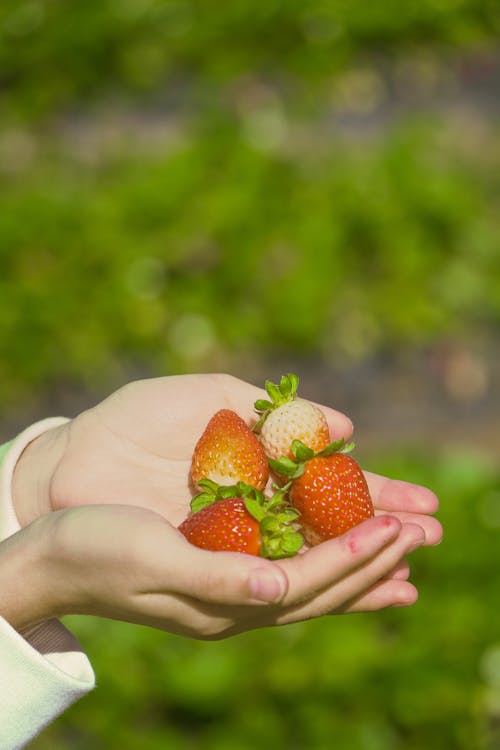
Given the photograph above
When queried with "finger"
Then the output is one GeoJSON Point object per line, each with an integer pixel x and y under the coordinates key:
{"type": "Point", "coordinates": [324, 565]}
{"type": "Point", "coordinates": [395, 495]}
{"type": "Point", "coordinates": [400, 572]}
{"type": "Point", "coordinates": [340, 593]}
{"type": "Point", "coordinates": [432, 528]}
{"type": "Point", "coordinates": [186, 617]}
{"type": "Point", "coordinates": [384, 594]}
{"type": "Point", "coordinates": [339, 424]}
{"type": "Point", "coordinates": [410, 538]}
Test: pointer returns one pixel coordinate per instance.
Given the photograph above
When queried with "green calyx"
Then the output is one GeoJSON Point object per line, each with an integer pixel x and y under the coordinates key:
{"type": "Point", "coordinates": [279, 529]}
{"type": "Point", "coordinates": [212, 492]}
{"type": "Point", "coordinates": [280, 532]}
{"type": "Point", "coordinates": [278, 395]}
{"type": "Point", "coordinates": [293, 468]}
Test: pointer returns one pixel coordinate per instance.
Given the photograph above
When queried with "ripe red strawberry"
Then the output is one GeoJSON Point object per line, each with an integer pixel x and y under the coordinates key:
{"type": "Point", "coordinates": [241, 519]}
{"type": "Point", "coordinates": [229, 452]}
{"type": "Point", "coordinates": [225, 525]}
{"type": "Point", "coordinates": [328, 488]}
{"type": "Point", "coordinates": [286, 418]}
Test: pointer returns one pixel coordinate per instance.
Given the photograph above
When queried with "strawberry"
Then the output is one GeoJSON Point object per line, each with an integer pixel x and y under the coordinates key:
{"type": "Point", "coordinates": [240, 519]}
{"type": "Point", "coordinates": [228, 452]}
{"type": "Point", "coordinates": [327, 487]}
{"type": "Point", "coordinates": [285, 418]}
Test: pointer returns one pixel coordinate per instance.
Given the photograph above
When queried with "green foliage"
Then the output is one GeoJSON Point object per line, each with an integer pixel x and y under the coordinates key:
{"type": "Point", "coordinates": [177, 188]}
{"type": "Point", "coordinates": [184, 184]}
{"type": "Point", "coordinates": [55, 54]}
{"type": "Point", "coordinates": [217, 248]}
{"type": "Point", "coordinates": [396, 680]}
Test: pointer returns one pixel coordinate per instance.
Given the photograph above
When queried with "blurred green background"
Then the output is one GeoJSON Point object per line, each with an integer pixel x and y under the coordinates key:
{"type": "Point", "coordinates": [261, 188]}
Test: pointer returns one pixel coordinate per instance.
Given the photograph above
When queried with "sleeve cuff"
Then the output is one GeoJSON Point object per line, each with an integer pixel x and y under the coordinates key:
{"type": "Point", "coordinates": [44, 666]}
{"type": "Point", "coordinates": [38, 689]}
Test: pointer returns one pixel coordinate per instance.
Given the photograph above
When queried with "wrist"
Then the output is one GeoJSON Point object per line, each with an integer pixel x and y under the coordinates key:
{"type": "Point", "coordinates": [27, 579]}
{"type": "Point", "coordinates": [33, 473]}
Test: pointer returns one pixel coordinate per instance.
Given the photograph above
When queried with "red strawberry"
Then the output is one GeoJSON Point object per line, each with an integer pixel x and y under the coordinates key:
{"type": "Point", "coordinates": [241, 519]}
{"type": "Point", "coordinates": [225, 525]}
{"type": "Point", "coordinates": [286, 418]}
{"type": "Point", "coordinates": [328, 488]}
{"type": "Point", "coordinates": [229, 452]}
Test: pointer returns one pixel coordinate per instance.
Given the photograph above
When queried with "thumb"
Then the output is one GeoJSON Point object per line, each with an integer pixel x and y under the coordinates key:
{"type": "Point", "coordinates": [223, 577]}
{"type": "Point", "coordinates": [338, 423]}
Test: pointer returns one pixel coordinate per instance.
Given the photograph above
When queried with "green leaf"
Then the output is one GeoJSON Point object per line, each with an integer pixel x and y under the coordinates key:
{"type": "Point", "coordinates": [262, 405]}
{"type": "Point", "coordinates": [301, 451]}
{"type": "Point", "coordinates": [284, 466]}
{"type": "Point", "coordinates": [201, 501]}
{"type": "Point", "coordinates": [246, 490]}
{"type": "Point", "coordinates": [281, 490]}
{"type": "Point", "coordinates": [255, 509]}
{"type": "Point", "coordinates": [292, 542]}
{"type": "Point", "coordinates": [348, 447]}
{"type": "Point", "coordinates": [294, 384]}
{"type": "Point", "coordinates": [231, 490]}
{"type": "Point", "coordinates": [274, 393]}
{"type": "Point", "coordinates": [269, 524]}
{"type": "Point", "coordinates": [270, 549]}
{"type": "Point", "coordinates": [209, 485]}
{"type": "Point", "coordinates": [288, 514]}
{"type": "Point", "coordinates": [279, 546]}
{"type": "Point", "coordinates": [337, 446]}
{"type": "Point", "coordinates": [278, 499]}
{"type": "Point", "coordinates": [278, 394]}
{"type": "Point", "coordinates": [288, 387]}
{"type": "Point", "coordinates": [260, 422]}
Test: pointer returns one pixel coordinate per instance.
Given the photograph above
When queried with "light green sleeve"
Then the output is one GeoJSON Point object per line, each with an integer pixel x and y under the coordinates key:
{"type": "Point", "coordinates": [3, 450]}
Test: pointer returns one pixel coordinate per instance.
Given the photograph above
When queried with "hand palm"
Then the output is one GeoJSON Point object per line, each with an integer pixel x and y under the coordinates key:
{"type": "Point", "coordinates": [136, 446]}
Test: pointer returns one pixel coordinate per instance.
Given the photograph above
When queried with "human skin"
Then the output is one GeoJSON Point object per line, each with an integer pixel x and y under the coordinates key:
{"type": "Point", "coordinates": [100, 499]}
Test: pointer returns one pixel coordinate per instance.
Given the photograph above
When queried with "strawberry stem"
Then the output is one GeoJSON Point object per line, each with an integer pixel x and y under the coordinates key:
{"type": "Point", "coordinates": [212, 492]}
{"type": "Point", "coordinates": [280, 532]}
{"type": "Point", "coordinates": [279, 394]}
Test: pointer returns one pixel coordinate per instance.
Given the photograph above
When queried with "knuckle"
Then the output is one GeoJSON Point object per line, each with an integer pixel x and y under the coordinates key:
{"type": "Point", "coordinates": [212, 583]}
{"type": "Point", "coordinates": [223, 583]}
{"type": "Point", "coordinates": [351, 543]}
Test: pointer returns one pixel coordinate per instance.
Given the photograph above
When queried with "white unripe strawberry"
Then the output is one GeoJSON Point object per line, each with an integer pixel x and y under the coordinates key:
{"type": "Point", "coordinates": [285, 418]}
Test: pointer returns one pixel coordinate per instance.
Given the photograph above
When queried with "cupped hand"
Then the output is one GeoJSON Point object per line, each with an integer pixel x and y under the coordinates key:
{"type": "Point", "coordinates": [138, 443]}
{"type": "Point", "coordinates": [129, 563]}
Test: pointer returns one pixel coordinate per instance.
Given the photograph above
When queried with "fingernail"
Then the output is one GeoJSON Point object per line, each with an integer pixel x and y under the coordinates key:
{"type": "Point", "coordinates": [267, 585]}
